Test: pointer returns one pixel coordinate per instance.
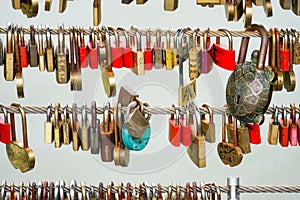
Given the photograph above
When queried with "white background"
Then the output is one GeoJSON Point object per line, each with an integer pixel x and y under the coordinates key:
{"type": "Point", "coordinates": [266, 164]}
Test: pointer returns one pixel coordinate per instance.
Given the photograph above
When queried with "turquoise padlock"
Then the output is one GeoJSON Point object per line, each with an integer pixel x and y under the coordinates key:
{"type": "Point", "coordinates": [131, 141]}
{"type": "Point", "coordinates": [135, 144]}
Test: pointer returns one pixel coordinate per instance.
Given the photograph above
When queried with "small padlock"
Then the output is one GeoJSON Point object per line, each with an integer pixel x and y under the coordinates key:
{"type": "Point", "coordinates": [273, 127]}
{"type": "Point", "coordinates": [175, 48]}
{"type": "Point", "coordinates": [127, 51]}
{"type": "Point", "coordinates": [66, 127]}
{"type": "Point", "coordinates": [289, 77]}
{"type": "Point", "coordinates": [20, 155]}
{"type": "Point", "coordinates": [116, 52]}
{"type": "Point", "coordinates": [186, 129]}
{"type": "Point", "coordinates": [75, 129]}
{"type": "Point", "coordinates": [244, 139]}
{"type": "Point", "coordinates": [195, 58]}
{"type": "Point", "coordinates": [284, 53]}
{"type": "Point", "coordinates": [94, 137]}
{"type": "Point", "coordinates": [126, 96]}
{"type": "Point", "coordinates": [293, 127]}
{"type": "Point", "coordinates": [175, 128]}
{"type": "Point", "coordinates": [222, 56]}
{"type": "Point", "coordinates": [93, 50]}
{"type": "Point", "coordinates": [298, 128]}
{"type": "Point", "coordinates": [185, 44]}
{"type": "Point", "coordinates": [135, 121]}
{"type": "Point", "coordinates": [284, 128]}
{"type": "Point", "coordinates": [135, 143]}
{"type": "Point", "coordinates": [207, 125]}
{"type": "Point", "coordinates": [296, 48]}
{"type": "Point", "coordinates": [23, 50]}
{"type": "Point", "coordinates": [49, 51]}
{"type": "Point", "coordinates": [138, 55]}
{"type": "Point", "coordinates": [148, 52]}
{"type": "Point", "coordinates": [102, 55]}
{"type": "Point", "coordinates": [169, 52]}
{"type": "Point", "coordinates": [230, 129]}
{"type": "Point", "coordinates": [254, 133]}
{"type": "Point", "coordinates": [107, 135]}
{"type": "Point", "coordinates": [206, 54]}
{"type": "Point", "coordinates": [4, 128]}
{"type": "Point", "coordinates": [83, 50]}
{"type": "Point", "coordinates": [57, 126]}
{"type": "Point", "coordinates": [159, 52]}
{"type": "Point", "coordinates": [85, 129]}
{"type": "Point", "coordinates": [48, 126]}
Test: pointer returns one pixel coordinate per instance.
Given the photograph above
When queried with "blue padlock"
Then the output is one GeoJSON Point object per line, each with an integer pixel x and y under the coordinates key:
{"type": "Point", "coordinates": [135, 143]}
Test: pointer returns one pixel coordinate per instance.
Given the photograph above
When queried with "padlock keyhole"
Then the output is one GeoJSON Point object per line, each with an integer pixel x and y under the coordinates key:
{"type": "Point", "coordinates": [237, 99]}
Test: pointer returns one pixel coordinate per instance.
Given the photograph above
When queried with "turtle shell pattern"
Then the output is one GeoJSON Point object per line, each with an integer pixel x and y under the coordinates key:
{"type": "Point", "coordinates": [248, 93]}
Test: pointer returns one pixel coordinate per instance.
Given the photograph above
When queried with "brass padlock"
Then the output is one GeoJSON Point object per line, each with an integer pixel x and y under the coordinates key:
{"type": "Point", "coordinates": [20, 155]}
{"type": "Point", "coordinates": [48, 126]}
{"type": "Point", "coordinates": [207, 125]}
{"type": "Point", "coordinates": [66, 127]}
{"type": "Point", "coordinates": [57, 127]}
{"type": "Point", "coordinates": [244, 139]}
{"type": "Point", "coordinates": [273, 131]}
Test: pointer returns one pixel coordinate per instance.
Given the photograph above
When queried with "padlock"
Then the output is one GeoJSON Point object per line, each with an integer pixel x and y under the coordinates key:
{"type": "Point", "coordinates": [206, 54]}
{"type": "Point", "coordinates": [185, 44]}
{"type": "Point", "coordinates": [250, 104]}
{"type": "Point", "coordinates": [20, 155]}
{"type": "Point", "coordinates": [175, 129]}
{"type": "Point", "coordinates": [9, 60]}
{"type": "Point", "coordinates": [195, 58]}
{"type": "Point", "coordinates": [127, 51]}
{"type": "Point", "coordinates": [41, 53]}
{"type": "Point", "coordinates": [136, 123]}
{"type": "Point", "coordinates": [4, 127]}
{"type": "Point", "coordinates": [33, 51]}
{"type": "Point", "coordinates": [66, 127]}
{"type": "Point", "coordinates": [126, 96]}
{"type": "Point", "coordinates": [169, 52]}
{"type": "Point", "coordinates": [116, 52]}
{"type": "Point", "coordinates": [284, 128]}
{"type": "Point", "coordinates": [101, 42]}
{"type": "Point", "coordinates": [243, 138]}
{"type": "Point", "coordinates": [296, 47]}
{"type": "Point", "coordinates": [135, 143]}
{"type": "Point", "coordinates": [75, 128]}
{"type": "Point", "coordinates": [48, 126]}
{"type": "Point", "coordinates": [138, 55]}
{"type": "Point", "coordinates": [175, 50]}
{"type": "Point", "coordinates": [159, 52]}
{"type": "Point", "coordinates": [284, 53]}
{"type": "Point", "coordinates": [94, 137]}
{"type": "Point", "coordinates": [23, 50]}
{"type": "Point", "coordinates": [293, 126]}
{"type": "Point", "coordinates": [207, 125]}
{"type": "Point", "coordinates": [1, 53]}
{"type": "Point", "coordinates": [49, 51]}
{"type": "Point", "coordinates": [230, 129]}
{"type": "Point", "coordinates": [85, 129]}
{"type": "Point", "coordinates": [93, 50]}
{"type": "Point", "coordinates": [273, 127]}
{"type": "Point", "coordinates": [57, 126]}
{"type": "Point", "coordinates": [83, 50]}
{"type": "Point", "coordinates": [298, 127]}
{"type": "Point", "coordinates": [296, 7]}
{"type": "Point", "coordinates": [222, 56]}
{"type": "Point", "coordinates": [148, 52]}
{"type": "Point", "coordinates": [289, 77]}
{"type": "Point", "coordinates": [107, 135]}
{"type": "Point", "coordinates": [254, 133]}
{"type": "Point", "coordinates": [186, 129]}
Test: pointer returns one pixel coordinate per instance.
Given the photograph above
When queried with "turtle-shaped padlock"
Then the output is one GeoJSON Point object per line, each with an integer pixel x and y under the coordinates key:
{"type": "Point", "coordinates": [249, 87]}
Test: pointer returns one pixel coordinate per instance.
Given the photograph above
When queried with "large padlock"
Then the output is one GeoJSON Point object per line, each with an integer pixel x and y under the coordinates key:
{"type": "Point", "coordinates": [249, 87]}
{"type": "Point", "coordinates": [20, 155]}
{"type": "Point", "coordinates": [224, 56]}
{"type": "Point", "coordinates": [4, 128]}
{"type": "Point", "coordinates": [135, 143]}
{"type": "Point", "coordinates": [135, 122]}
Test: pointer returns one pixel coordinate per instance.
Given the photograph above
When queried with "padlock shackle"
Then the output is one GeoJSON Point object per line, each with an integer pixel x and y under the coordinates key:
{"type": "Point", "coordinates": [137, 38]}
{"type": "Point", "coordinates": [32, 35]}
{"type": "Point", "coordinates": [108, 49]}
{"type": "Point", "coordinates": [158, 38]}
{"type": "Point", "coordinates": [293, 113]}
{"type": "Point", "coordinates": [84, 115]}
{"type": "Point", "coordinates": [4, 113]}
{"type": "Point", "coordinates": [74, 116]}
{"type": "Point", "coordinates": [117, 41]}
{"type": "Point", "coordinates": [40, 39]}
{"type": "Point", "coordinates": [61, 38]}
{"type": "Point", "coordinates": [210, 112]}
{"type": "Point", "coordinates": [94, 115]}
{"type": "Point", "coordinates": [56, 115]}
{"type": "Point", "coordinates": [284, 115]}
{"type": "Point", "coordinates": [168, 39]}
{"type": "Point", "coordinates": [148, 38]}
{"type": "Point", "coordinates": [194, 44]}
{"type": "Point", "coordinates": [125, 35]}
{"type": "Point", "coordinates": [22, 40]}
{"type": "Point", "coordinates": [181, 36]}
{"type": "Point", "coordinates": [48, 112]}
{"type": "Point", "coordinates": [9, 38]}
{"type": "Point", "coordinates": [48, 37]}
{"type": "Point", "coordinates": [24, 123]}
{"type": "Point", "coordinates": [275, 113]}
{"type": "Point", "coordinates": [229, 36]}
{"type": "Point", "coordinates": [175, 40]}
{"type": "Point", "coordinates": [263, 45]}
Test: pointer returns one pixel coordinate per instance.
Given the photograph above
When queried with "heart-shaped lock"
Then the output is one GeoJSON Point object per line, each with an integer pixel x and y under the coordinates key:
{"type": "Point", "coordinates": [20, 155]}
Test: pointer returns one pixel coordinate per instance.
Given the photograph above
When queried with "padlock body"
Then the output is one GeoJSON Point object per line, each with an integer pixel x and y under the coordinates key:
{"type": "Point", "coordinates": [24, 56]}
{"type": "Point", "coordinates": [5, 133]}
{"type": "Point", "coordinates": [127, 57]}
{"type": "Point", "coordinates": [83, 53]}
{"type": "Point", "coordinates": [174, 133]}
{"type": "Point", "coordinates": [293, 135]}
{"type": "Point", "coordinates": [148, 59]}
{"type": "Point", "coordinates": [135, 144]}
{"type": "Point", "coordinates": [244, 139]}
{"type": "Point", "coordinates": [106, 140]}
{"type": "Point", "coordinates": [207, 61]}
{"type": "Point", "coordinates": [273, 132]}
{"type": "Point", "coordinates": [224, 58]}
{"type": "Point", "coordinates": [93, 56]}
{"type": "Point", "coordinates": [283, 134]}
{"type": "Point", "coordinates": [254, 133]}
{"type": "Point", "coordinates": [116, 56]}
{"type": "Point", "coordinates": [285, 60]}
{"type": "Point", "coordinates": [186, 134]}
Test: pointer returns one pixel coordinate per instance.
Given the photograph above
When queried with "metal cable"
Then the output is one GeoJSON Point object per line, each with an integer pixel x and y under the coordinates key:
{"type": "Point", "coordinates": [152, 32]}
{"type": "Point", "coordinates": [147, 110]}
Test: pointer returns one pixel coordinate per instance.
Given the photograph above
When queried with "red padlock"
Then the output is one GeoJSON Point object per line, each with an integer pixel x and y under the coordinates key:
{"type": "Point", "coordinates": [23, 50]}
{"type": "Point", "coordinates": [293, 127]}
{"type": "Point", "coordinates": [127, 51]}
{"type": "Point", "coordinates": [222, 56]}
{"type": "Point", "coordinates": [93, 50]}
{"type": "Point", "coordinates": [4, 128]}
{"type": "Point", "coordinates": [298, 128]}
{"type": "Point", "coordinates": [284, 54]}
{"type": "Point", "coordinates": [284, 129]}
{"type": "Point", "coordinates": [206, 54]}
{"type": "Point", "coordinates": [186, 130]}
{"type": "Point", "coordinates": [254, 133]}
{"type": "Point", "coordinates": [175, 129]}
{"type": "Point", "coordinates": [116, 52]}
{"type": "Point", "coordinates": [83, 51]}
{"type": "Point", "coordinates": [148, 52]}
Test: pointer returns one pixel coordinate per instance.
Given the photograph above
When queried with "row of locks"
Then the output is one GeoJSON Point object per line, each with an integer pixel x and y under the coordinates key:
{"type": "Point", "coordinates": [126, 127]}
{"type": "Point", "coordinates": [60, 190]}
{"type": "Point", "coordinates": [108, 48]}
{"type": "Point", "coordinates": [234, 9]}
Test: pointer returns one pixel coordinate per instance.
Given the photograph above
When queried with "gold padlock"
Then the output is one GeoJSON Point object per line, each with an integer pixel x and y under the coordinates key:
{"type": "Point", "coordinates": [207, 125]}
{"type": "Point", "coordinates": [20, 155]}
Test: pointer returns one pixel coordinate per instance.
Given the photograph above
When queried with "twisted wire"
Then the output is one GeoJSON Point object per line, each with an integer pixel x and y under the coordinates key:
{"type": "Point", "coordinates": [212, 33]}
{"type": "Point", "coordinates": [147, 110]}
